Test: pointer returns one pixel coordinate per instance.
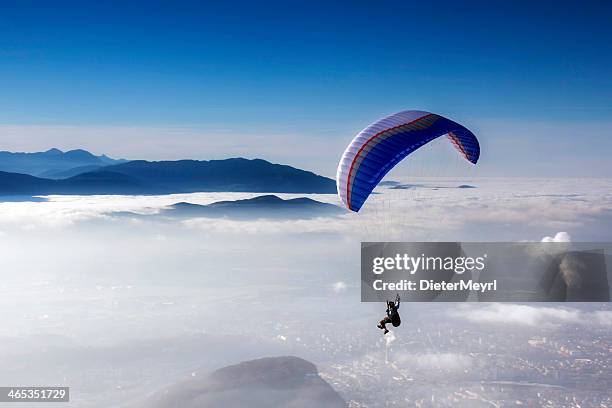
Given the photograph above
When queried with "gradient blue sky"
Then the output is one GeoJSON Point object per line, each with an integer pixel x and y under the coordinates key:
{"type": "Point", "coordinates": [293, 82]}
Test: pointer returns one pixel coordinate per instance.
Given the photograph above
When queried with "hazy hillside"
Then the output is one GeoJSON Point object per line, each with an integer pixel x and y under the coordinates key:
{"type": "Point", "coordinates": [53, 163]}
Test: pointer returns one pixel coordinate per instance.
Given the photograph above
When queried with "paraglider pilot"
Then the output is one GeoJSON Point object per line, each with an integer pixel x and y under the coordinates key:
{"type": "Point", "coordinates": [392, 316]}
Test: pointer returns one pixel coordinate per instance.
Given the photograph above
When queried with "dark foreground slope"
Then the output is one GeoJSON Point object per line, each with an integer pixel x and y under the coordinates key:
{"type": "Point", "coordinates": [183, 176]}
{"type": "Point", "coordinates": [287, 382]}
{"type": "Point", "coordinates": [99, 182]}
{"type": "Point", "coordinates": [22, 184]}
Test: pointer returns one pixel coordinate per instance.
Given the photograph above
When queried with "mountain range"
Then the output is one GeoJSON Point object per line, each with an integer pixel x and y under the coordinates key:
{"type": "Point", "coordinates": [150, 177]}
{"type": "Point", "coordinates": [53, 163]}
{"type": "Point", "coordinates": [265, 206]}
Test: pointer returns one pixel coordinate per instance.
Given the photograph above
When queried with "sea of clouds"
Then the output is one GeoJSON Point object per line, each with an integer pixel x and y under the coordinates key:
{"type": "Point", "coordinates": [133, 302]}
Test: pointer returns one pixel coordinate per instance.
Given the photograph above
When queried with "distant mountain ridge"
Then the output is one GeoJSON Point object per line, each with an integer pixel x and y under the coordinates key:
{"type": "Point", "coordinates": [53, 163]}
{"type": "Point", "coordinates": [235, 174]}
{"type": "Point", "coordinates": [266, 206]}
{"type": "Point", "coordinates": [167, 177]}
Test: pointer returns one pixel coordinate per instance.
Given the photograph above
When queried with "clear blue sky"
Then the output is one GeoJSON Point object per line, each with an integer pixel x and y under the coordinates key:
{"type": "Point", "coordinates": [211, 79]}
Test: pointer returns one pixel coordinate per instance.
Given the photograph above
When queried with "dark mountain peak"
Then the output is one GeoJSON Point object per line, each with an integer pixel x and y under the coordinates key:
{"type": "Point", "coordinates": [268, 198]}
{"type": "Point", "coordinates": [53, 151]}
{"type": "Point", "coordinates": [266, 207]}
{"type": "Point", "coordinates": [303, 200]}
{"type": "Point", "coordinates": [267, 370]}
{"type": "Point", "coordinates": [259, 200]}
{"type": "Point", "coordinates": [270, 201]}
{"type": "Point", "coordinates": [238, 159]}
{"type": "Point", "coordinates": [273, 382]}
{"type": "Point", "coordinates": [80, 154]}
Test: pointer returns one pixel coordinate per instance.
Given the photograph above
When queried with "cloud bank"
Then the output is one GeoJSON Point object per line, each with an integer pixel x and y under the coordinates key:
{"type": "Point", "coordinates": [530, 316]}
{"type": "Point", "coordinates": [498, 209]}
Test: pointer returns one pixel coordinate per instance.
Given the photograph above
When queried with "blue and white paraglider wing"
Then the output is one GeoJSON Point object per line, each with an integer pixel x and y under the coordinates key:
{"type": "Point", "coordinates": [383, 144]}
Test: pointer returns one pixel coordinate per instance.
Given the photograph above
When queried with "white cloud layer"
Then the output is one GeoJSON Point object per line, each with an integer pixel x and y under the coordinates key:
{"type": "Point", "coordinates": [496, 210]}
{"type": "Point", "coordinates": [530, 316]}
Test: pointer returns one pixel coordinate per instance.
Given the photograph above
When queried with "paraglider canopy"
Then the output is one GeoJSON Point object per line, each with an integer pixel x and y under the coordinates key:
{"type": "Point", "coordinates": [383, 144]}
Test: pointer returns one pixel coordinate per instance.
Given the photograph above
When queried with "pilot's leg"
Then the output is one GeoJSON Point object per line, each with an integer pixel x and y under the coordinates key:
{"type": "Point", "coordinates": [383, 323]}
